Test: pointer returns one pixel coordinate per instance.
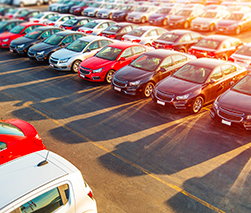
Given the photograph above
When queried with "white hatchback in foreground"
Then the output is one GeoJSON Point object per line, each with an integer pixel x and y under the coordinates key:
{"type": "Point", "coordinates": [33, 184]}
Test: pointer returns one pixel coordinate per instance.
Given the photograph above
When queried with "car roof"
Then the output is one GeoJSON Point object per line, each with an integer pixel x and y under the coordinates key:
{"type": "Point", "coordinates": [210, 63]}
{"type": "Point", "coordinates": [47, 28]}
{"type": "Point", "coordinates": [147, 27]}
{"type": "Point", "coordinates": [218, 37]}
{"type": "Point", "coordinates": [161, 53]}
{"type": "Point", "coordinates": [121, 44]}
{"type": "Point", "coordinates": [30, 23]}
{"type": "Point", "coordinates": [123, 24]}
{"type": "Point", "coordinates": [23, 175]}
{"type": "Point", "coordinates": [181, 32]}
{"type": "Point", "coordinates": [91, 38]}
{"type": "Point", "coordinates": [101, 20]}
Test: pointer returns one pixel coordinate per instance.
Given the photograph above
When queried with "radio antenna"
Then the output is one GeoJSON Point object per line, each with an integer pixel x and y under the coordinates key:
{"type": "Point", "coordinates": [44, 162]}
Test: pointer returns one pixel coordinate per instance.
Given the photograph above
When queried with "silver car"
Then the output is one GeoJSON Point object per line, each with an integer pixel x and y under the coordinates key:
{"type": "Point", "coordinates": [141, 14]}
{"type": "Point", "coordinates": [144, 34]}
{"type": "Point", "coordinates": [93, 9]}
{"type": "Point", "coordinates": [69, 58]}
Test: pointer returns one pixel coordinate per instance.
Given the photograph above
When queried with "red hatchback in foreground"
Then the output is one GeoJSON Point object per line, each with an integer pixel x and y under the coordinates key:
{"type": "Point", "coordinates": [16, 32]}
{"type": "Point", "coordinates": [108, 60]}
{"type": "Point", "coordinates": [18, 138]}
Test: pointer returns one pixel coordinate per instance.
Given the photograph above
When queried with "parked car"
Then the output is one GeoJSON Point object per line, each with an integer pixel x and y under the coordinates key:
{"type": "Point", "coordinates": [79, 9]}
{"type": "Point", "coordinates": [242, 56]}
{"type": "Point", "coordinates": [23, 3]}
{"type": "Point", "coordinates": [141, 76]}
{"type": "Point", "coordinates": [92, 10]}
{"type": "Point", "coordinates": [16, 32]}
{"type": "Point", "coordinates": [116, 31]}
{"type": "Point", "coordinates": [13, 13]}
{"type": "Point", "coordinates": [62, 189]}
{"type": "Point", "coordinates": [160, 17]}
{"type": "Point", "coordinates": [216, 46]}
{"type": "Point", "coordinates": [75, 23]}
{"type": "Point", "coordinates": [232, 108]}
{"type": "Point", "coordinates": [5, 9]}
{"type": "Point", "coordinates": [54, 6]}
{"type": "Point", "coordinates": [57, 20]}
{"type": "Point", "coordinates": [6, 26]}
{"type": "Point", "coordinates": [208, 20]}
{"type": "Point", "coordinates": [179, 40]}
{"type": "Point", "coordinates": [66, 6]}
{"type": "Point", "coordinates": [69, 58]}
{"type": "Point", "coordinates": [18, 138]}
{"type": "Point", "coordinates": [107, 11]}
{"type": "Point", "coordinates": [42, 50]}
{"type": "Point", "coordinates": [215, 7]}
{"type": "Point", "coordinates": [197, 83]}
{"type": "Point", "coordinates": [108, 60]}
{"type": "Point", "coordinates": [122, 14]}
{"type": "Point", "coordinates": [144, 34]}
{"type": "Point", "coordinates": [236, 23]}
{"type": "Point", "coordinates": [42, 17]}
{"type": "Point", "coordinates": [26, 15]}
{"type": "Point", "coordinates": [141, 14]}
{"type": "Point", "coordinates": [238, 8]}
{"type": "Point", "coordinates": [21, 45]}
{"type": "Point", "coordinates": [96, 26]}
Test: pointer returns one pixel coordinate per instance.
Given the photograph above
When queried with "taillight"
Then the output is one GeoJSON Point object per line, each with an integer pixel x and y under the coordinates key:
{"type": "Point", "coordinates": [112, 36]}
{"type": "Point", "coordinates": [90, 195]}
{"type": "Point", "coordinates": [36, 21]}
{"type": "Point", "coordinates": [38, 140]}
{"type": "Point", "coordinates": [191, 51]}
{"type": "Point", "coordinates": [21, 18]}
{"type": "Point", "coordinates": [153, 44]}
{"type": "Point", "coordinates": [211, 54]}
{"type": "Point", "coordinates": [100, 34]}
{"type": "Point", "coordinates": [122, 39]}
{"type": "Point", "coordinates": [169, 46]}
{"type": "Point", "coordinates": [231, 59]}
{"type": "Point", "coordinates": [51, 24]}
{"type": "Point", "coordinates": [136, 40]}
{"type": "Point", "coordinates": [88, 31]}
{"type": "Point", "coordinates": [10, 16]}
{"type": "Point", "coordinates": [69, 28]}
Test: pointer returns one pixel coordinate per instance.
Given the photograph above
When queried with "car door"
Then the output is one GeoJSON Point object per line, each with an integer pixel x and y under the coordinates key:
{"type": "Point", "coordinates": [67, 40]}
{"type": "Point", "coordinates": [4, 152]}
{"type": "Point", "coordinates": [185, 42]}
{"type": "Point", "coordinates": [165, 69]}
{"type": "Point", "coordinates": [246, 21]}
{"type": "Point", "coordinates": [127, 54]}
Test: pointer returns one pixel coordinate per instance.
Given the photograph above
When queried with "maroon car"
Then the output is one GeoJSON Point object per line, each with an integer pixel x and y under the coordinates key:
{"type": "Point", "coordinates": [216, 46]}
{"type": "Point", "coordinates": [79, 9]}
{"type": "Point", "coordinates": [232, 108]}
{"type": "Point", "coordinates": [197, 83]}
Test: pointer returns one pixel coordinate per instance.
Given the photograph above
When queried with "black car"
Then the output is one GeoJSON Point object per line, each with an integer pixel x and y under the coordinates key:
{"type": "Point", "coordinates": [5, 9]}
{"type": "Point", "coordinates": [147, 70]}
{"type": "Point", "coordinates": [75, 23]}
{"type": "Point", "coordinates": [66, 7]}
{"type": "Point", "coordinates": [116, 31]}
{"type": "Point", "coordinates": [26, 14]}
{"type": "Point", "coordinates": [6, 26]}
{"type": "Point", "coordinates": [22, 44]}
{"type": "Point", "coordinates": [121, 15]}
{"type": "Point", "coordinates": [180, 40]}
{"type": "Point", "coordinates": [42, 51]}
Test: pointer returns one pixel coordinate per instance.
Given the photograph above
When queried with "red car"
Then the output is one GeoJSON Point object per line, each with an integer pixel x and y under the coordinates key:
{"type": "Point", "coordinates": [16, 32]}
{"type": "Point", "coordinates": [18, 138]}
{"type": "Point", "coordinates": [108, 60]}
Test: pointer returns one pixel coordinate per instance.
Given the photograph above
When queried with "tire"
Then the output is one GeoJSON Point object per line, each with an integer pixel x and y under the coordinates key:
{"type": "Point", "coordinates": [38, 3]}
{"type": "Point", "coordinates": [186, 24]}
{"type": "Point", "coordinates": [183, 50]}
{"type": "Point", "coordinates": [126, 17]}
{"type": "Point", "coordinates": [197, 104]}
{"type": "Point", "coordinates": [238, 30]}
{"type": "Point", "coordinates": [95, 14]}
{"type": "Point", "coordinates": [143, 20]}
{"type": "Point", "coordinates": [82, 12]}
{"type": "Point", "coordinates": [224, 57]}
{"type": "Point", "coordinates": [165, 22]}
{"type": "Point", "coordinates": [108, 77]}
{"type": "Point", "coordinates": [75, 65]}
{"type": "Point", "coordinates": [21, 4]}
{"type": "Point", "coordinates": [110, 16]}
{"type": "Point", "coordinates": [211, 27]}
{"type": "Point", "coordinates": [148, 89]}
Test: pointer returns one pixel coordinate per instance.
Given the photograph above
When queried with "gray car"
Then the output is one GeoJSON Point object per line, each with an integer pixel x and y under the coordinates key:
{"type": "Point", "coordinates": [69, 58]}
{"type": "Point", "coordinates": [141, 14]}
{"type": "Point", "coordinates": [93, 9]}
{"type": "Point", "coordinates": [108, 11]}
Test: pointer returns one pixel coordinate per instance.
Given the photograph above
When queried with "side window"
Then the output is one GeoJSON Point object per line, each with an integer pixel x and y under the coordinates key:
{"type": "Point", "coordinates": [226, 44]}
{"type": "Point", "coordinates": [178, 59]}
{"type": "Point", "coordinates": [103, 26]}
{"type": "Point", "coordinates": [127, 53]}
{"type": "Point", "coordinates": [28, 29]}
{"type": "Point", "coordinates": [83, 22]}
{"type": "Point", "coordinates": [93, 46]}
{"type": "Point", "coordinates": [67, 40]}
{"type": "Point", "coordinates": [48, 16]}
{"type": "Point", "coordinates": [55, 30]}
{"type": "Point", "coordinates": [126, 29]}
{"type": "Point", "coordinates": [66, 18]}
{"type": "Point", "coordinates": [104, 43]}
{"type": "Point", "coordinates": [196, 36]}
{"type": "Point", "coordinates": [47, 202]}
{"type": "Point", "coordinates": [10, 26]}
{"type": "Point", "coordinates": [185, 38]}
{"type": "Point", "coordinates": [46, 34]}
{"type": "Point", "coordinates": [152, 33]}
{"type": "Point", "coordinates": [166, 63]}
{"type": "Point", "coordinates": [161, 31]}
{"type": "Point", "coordinates": [228, 69]}
{"type": "Point", "coordinates": [217, 74]}
{"type": "Point", "coordinates": [138, 49]}
{"type": "Point", "coordinates": [235, 42]}
{"type": "Point", "coordinates": [78, 36]}
{"type": "Point", "coordinates": [3, 146]}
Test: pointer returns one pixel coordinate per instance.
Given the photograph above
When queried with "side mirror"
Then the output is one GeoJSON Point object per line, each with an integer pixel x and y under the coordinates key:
{"type": "Point", "coordinates": [23, 33]}
{"type": "Point", "coordinates": [87, 51]}
{"type": "Point", "coordinates": [122, 59]}
{"type": "Point", "coordinates": [212, 81]}
{"type": "Point", "coordinates": [162, 69]}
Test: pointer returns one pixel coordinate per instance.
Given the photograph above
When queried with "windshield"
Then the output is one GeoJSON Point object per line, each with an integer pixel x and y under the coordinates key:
{"type": "Point", "coordinates": [54, 18]}
{"type": "Point", "coordinates": [169, 37]}
{"type": "Point", "coordinates": [146, 62]}
{"type": "Point", "coordinates": [2, 24]}
{"type": "Point", "coordinates": [164, 11]}
{"type": "Point", "coordinates": [17, 29]}
{"type": "Point", "coordinates": [207, 43]}
{"type": "Point", "coordinates": [109, 53]}
{"type": "Point", "coordinates": [77, 46]}
{"type": "Point", "coordinates": [124, 7]}
{"type": "Point", "coordinates": [9, 129]}
{"type": "Point", "coordinates": [54, 39]}
{"type": "Point", "coordinates": [208, 15]}
{"type": "Point", "coordinates": [235, 17]}
{"type": "Point", "coordinates": [96, 5]}
{"type": "Point", "coordinates": [245, 50]}
{"type": "Point", "coordinates": [184, 13]}
{"type": "Point", "coordinates": [40, 15]}
{"type": "Point", "coordinates": [244, 85]}
{"type": "Point", "coordinates": [12, 10]}
{"type": "Point", "coordinates": [90, 25]}
{"type": "Point", "coordinates": [110, 6]}
{"type": "Point", "coordinates": [23, 12]}
{"type": "Point", "coordinates": [83, 4]}
{"type": "Point", "coordinates": [113, 28]}
{"type": "Point", "coordinates": [33, 34]}
{"type": "Point", "coordinates": [142, 9]}
{"type": "Point", "coordinates": [137, 32]}
{"type": "Point", "coordinates": [195, 74]}
{"type": "Point", "coordinates": [71, 22]}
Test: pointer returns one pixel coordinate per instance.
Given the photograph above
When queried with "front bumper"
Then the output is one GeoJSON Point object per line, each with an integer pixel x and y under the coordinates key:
{"type": "Point", "coordinates": [100, 15]}
{"type": "Point", "coordinates": [225, 30]}
{"type": "Point", "coordinates": [134, 20]}
{"type": "Point", "coordinates": [86, 73]}
{"type": "Point", "coordinates": [54, 63]}
{"type": "Point", "coordinates": [155, 21]}
{"type": "Point", "coordinates": [35, 56]}
{"type": "Point", "coordinates": [118, 17]}
{"type": "Point", "coordinates": [200, 27]}
{"type": "Point", "coordinates": [176, 24]}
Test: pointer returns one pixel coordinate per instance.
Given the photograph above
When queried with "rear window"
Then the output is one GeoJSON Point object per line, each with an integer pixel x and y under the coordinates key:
{"type": "Point", "coordinates": [137, 32]}
{"type": "Point", "coordinates": [9, 129]}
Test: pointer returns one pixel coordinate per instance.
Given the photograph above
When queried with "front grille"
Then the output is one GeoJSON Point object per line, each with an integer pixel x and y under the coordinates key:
{"type": "Point", "coordinates": [230, 115]}
{"type": "Point", "coordinates": [165, 96]}
{"type": "Point", "coordinates": [53, 60]}
{"type": "Point", "coordinates": [119, 82]}
{"type": "Point", "coordinates": [85, 70]}
{"type": "Point", "coordinates": [31, 54]}
{"type": "Point", "coordinates": [12, 47]}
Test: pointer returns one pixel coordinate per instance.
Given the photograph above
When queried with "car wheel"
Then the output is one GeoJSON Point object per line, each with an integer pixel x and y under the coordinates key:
{"type": "Point", "coordinates": [108, 77]}
{"type": "Point", "coordinates": [183, 50]}
{"type": "Point", "coordinates": [197, 104]}
{"type": "Point", "coordinates": [148, 89]}
{"type": "Point", "coordinates": [224, 57]}
{"type": "Point", "coordinates": [165, 22]}
{"type": "Point", "coordinates": [39, 3]}
{"type": "Point", "coordinates": [96, 13]}
{"type": "Point", "coordinates": [238, 31]}
{"type": "Point", "coordinates": [211, 27]}
{"type": "Point", "coordinates": [126, 17]}
{"type": "Point", "coordinates": [75, 65]}
{"type": "Point", "coordinates": [82, 12]}
{"type": "Point", "coordinates": [143, 20]}
{"type": "Point", "coordinates": [110, 16]}
{"type": "Point", "coordinates": [186, 24]}
{"type": "Point", "coordinates": [148, 45]}
{"type": "Point", "coordinates": [21, 4]}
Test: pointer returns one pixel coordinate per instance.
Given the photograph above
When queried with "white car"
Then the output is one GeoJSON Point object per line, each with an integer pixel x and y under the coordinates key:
{"type": "Point", "coordinates": [42, 17]}
{"type": "Point", "coordinates": [144, 35]}
{"type": "Point", "coordinates": [69, 58]}
{"type": "Point", "coordinates": [57, 20]}
{"type": "Point", "coordinates": [22, 3]}
{"type": "Point", "coordinates": [44, 182]}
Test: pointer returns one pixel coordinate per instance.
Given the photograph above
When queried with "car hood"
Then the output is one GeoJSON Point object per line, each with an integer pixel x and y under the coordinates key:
{"type": "Point", "coordinates": [95, 62]}
{"type": "Point", "coordinates": [8, 35]}
{"type": "Point", "coordinates": [90, 9]}
{"type": "Point", "coordinates": [226, 23]}
{"type": "Point", "coordinates": [119, 11]}
{"type": "Point", "coordinates": [200, 20]}
{"type": "Point", "coordinates": [133, 14]}
{"type": "Point", "coordinates": [157, 16]}
{"type": "Point", "coordinates": [23, 40]}
{"type": "Point", "coordinates": [42, 46]}
{"type": "Point", "coordinates": [63, 53]}
{"type": "Point", "coordinates": [105, 10]}
{"type": "Point", "coordinates": [132, 73]}
{"type": "Point", "coordinates": [235, 101]}
{"type": "Point", "coordinates": [177, 86]}
{"type": "Point", "coordinates": [177, 18]}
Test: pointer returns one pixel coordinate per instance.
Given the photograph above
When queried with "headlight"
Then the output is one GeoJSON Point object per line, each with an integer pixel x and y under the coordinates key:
{"type": "Point", "coordinates": [134, 83]}
{"type": "Point", "coordinates": [20, 46]}
{"type": "Point", "coordinates": [182, 97]}
{"type": "Point", "coordinates": [233, 26]}
{"type": "Point", "coordinates": [215, 104]}
{"type": "Point", "coordinates": [98, 70]}
{"type": "Point", "coordinates": [64, 60]}
{"type": "Point", "coordinates": [5, 40]}
{"type": "Point", "coordinates": [181, 20]}
{"type": "Point", "coordinates": [248, 117]}
{"type": "Point", "coordinates": [40, 53]}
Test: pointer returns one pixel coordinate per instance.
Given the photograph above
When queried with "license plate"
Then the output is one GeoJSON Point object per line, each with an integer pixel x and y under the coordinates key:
{"type": "Point", "coordinates": [161, 103]}
{"type": "Point", "coordinates": [171, 24]}
{"type": "Point", "coordinates": [51, 65]}
{"type": "Point", "coordinates": [81, 75]}
{"type": "Point", "coordinates": [117, 89]}
{"type": "Point", "coordinates": [220, 29]}
{"type": "Point", "coordinates": [11, 50]}
{"type": "Point", "coordinates": [226, 122]}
